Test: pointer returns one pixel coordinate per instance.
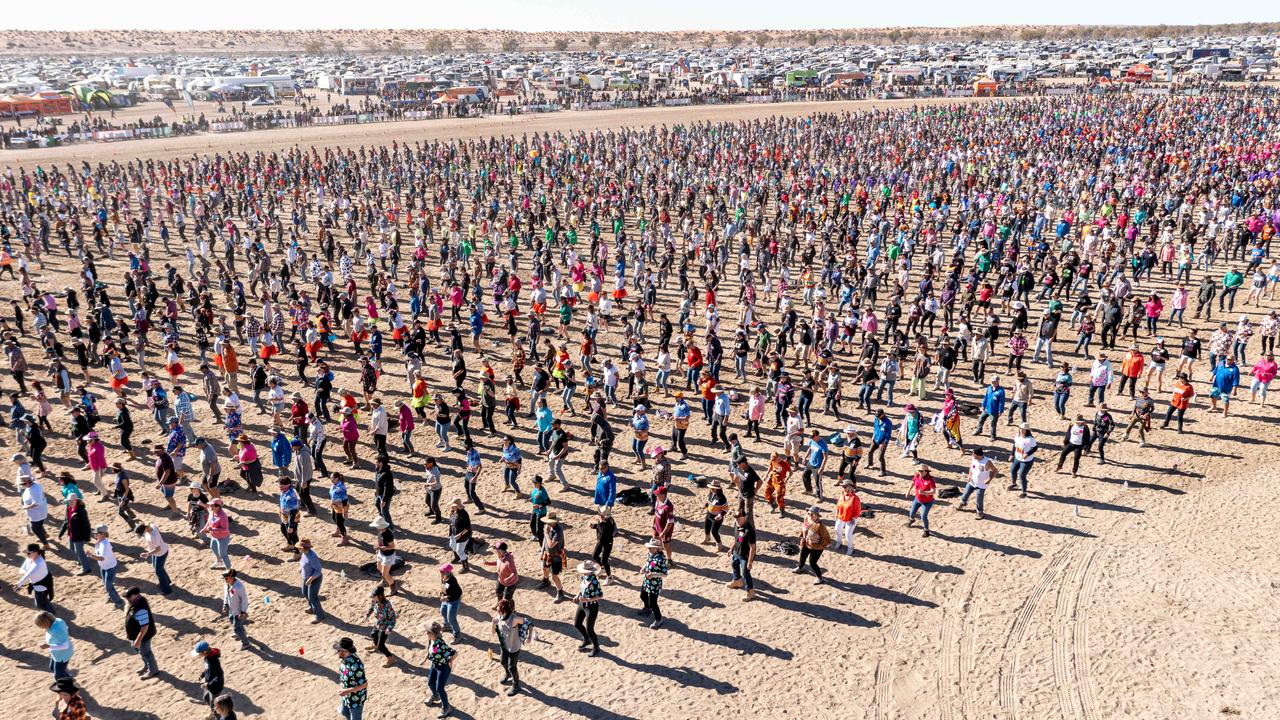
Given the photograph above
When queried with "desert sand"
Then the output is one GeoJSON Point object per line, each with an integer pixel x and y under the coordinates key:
{"type": "Point", "coordinates": [1142, 589]}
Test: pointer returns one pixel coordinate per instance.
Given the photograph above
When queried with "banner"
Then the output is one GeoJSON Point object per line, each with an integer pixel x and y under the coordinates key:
{"type": "Point", "coordinates": [600, 105]}
{"type": "Point", "coordinates": [758, 98]}
{"type": "Point", "coordinates": [959, 92]}
{"type": "Point", "coordinates": [678, 101]}
{"type": "Point", "coordinates": [1156, 90]}
{"type": "Point", "coordinates": [109, 135]}
{"type": "Point", "coordinates": [1061, 91]}
{"type": "Point", "coordinates": [227, 126]}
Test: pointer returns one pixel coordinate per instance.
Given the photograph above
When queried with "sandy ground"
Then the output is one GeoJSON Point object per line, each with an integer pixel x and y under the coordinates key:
{"type": "Point", "coordinates": [1133, 591]}
{"type": "Point", "coordinates": [426, 130]}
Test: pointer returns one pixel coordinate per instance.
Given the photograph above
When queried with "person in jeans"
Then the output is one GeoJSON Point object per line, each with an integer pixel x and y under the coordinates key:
{"type": "Point", "coordinates": [508, 627]}
{"type": "Point", "coordinates": [354, 686]}
{"type": "Point", "coordinates": [441, 657]}
{"type": "Point", "coordinates": [106, 559]}
{"type": "Point", "coordinates": [57, 640]}
{"type": "Point", "coordinates": [743, 555]}
{"type": "Point", "coordinates": [312, 578]}
{"type": "Point", "coordinates": [814, 538]}
{"type": "Point", "coordinates": [1024, 450]}
{"type": "Point", "coordinates": [140, 628]}
{"type": "Point", "coordinates": [218, 528]}
{"type": "Point", "coordinates": [921, 493]}
{"type": "Point", "coordinates": [450, 600]}
{"type": "Point", "coordinates": [78, 531]}
{"type": "Point", "coordinates": [157, 553]}
{"type": "Point", "coordinates": [235, 603]}
{"type": "Point", "coordinates": [981, 470]}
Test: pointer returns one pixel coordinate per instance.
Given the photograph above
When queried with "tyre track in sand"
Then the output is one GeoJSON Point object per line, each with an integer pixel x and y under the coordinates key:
{"type": "Point", "coordinates": [884, 668]}
{"type": "Point", "coordinates": [1069, 637]}
{"type": "Point", "coordinates": [1021, 623]}
{"type": "Point", "coordinates": [956, 656]}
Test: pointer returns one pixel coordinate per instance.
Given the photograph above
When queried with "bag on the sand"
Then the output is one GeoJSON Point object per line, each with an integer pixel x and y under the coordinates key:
{"type": "Point", "coordinates": [784, 548]}
{"type": "Point", "coordinates": [949, 492]}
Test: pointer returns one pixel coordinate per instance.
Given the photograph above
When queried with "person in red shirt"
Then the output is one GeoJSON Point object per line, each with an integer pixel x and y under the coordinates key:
{"type": "Point", "coordinates": [921, 492]}
{"type": "Point", "coordinates": [693, 363]}
{"type": "Point", "coordinates": [1180, 401]}
{"type": "Point", "coordinates": [848, 510]}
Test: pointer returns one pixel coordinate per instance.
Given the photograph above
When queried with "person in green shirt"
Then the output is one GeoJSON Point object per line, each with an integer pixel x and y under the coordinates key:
{"type": "Point", "coordinates": [1231, 283]}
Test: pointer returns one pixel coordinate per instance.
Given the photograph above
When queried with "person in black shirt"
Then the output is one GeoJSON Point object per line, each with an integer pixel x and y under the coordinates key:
{"type": "Point", "coordinates": [743, 555]}
{"type": "Point", "coordinates": [748, 481]}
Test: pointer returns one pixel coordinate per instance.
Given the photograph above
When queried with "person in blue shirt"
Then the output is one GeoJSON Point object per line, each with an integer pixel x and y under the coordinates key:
{"type": "Point", "coordinates": [543, 417]}
{"type": "Point", "coordinates": [289, 514]}
{"type": "Point", "coordinates": [57, 641]}
{"type": "Point", "coordinates": [720, 416]}
{"type": "Point", "coordinates": [1226, 377]}
{"type": "Point", "coordinates": [640, 425]}
{"type": "Point", "coordinates": [606, 487]}
{"type": "Point", "coordinates": [511, 462]}
{"type": "Point", "coordinates": [281, 452]}
{"type": "Point", "coordinates": [992, 406]}
{"type": "Point", "coordinates": [476, 321]}
{"type": "Point", "coordinates": [815, 460]}
{"type": "Point", "coordinates": [680, 414]}
{"type": "Point", "coordinates": [881, 436]}
{"type": "Point", "coordinates": [539, 500]}
{"type": "Point", "coordinates": [472, 475]}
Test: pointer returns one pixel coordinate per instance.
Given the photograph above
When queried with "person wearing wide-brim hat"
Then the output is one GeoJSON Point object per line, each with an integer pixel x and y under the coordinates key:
{"type": "Point", "coordinates": [107, 564]}
{"type": "Point", "coordinates": [588, 600]}
{"type": "Point", "coordinates": [460, 532]}
{"type": "Point", "coordinates": [385, 552]}
{"type": "Point", "coordinates": [814, 538]}
{"type": "Point", "coordinates": [652, 574]}
{"type": "Point", "coordinates": [69, 705]}
{"type": "Point", "coordinates": [716, 510]}
{"type": "Point", "coordinates": [553, 554]}
{"type": "Point", "coordinates": [384, 620]}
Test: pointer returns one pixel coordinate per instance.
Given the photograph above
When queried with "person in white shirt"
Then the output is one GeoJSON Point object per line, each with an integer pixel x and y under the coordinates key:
{"type": "Point", "coordinates": [106, 558]}
{"type": "Point", "coordinates": [157, 552]}
{"type": "Point", "coordinates": [1024, 450]}
{"type": "Point", "coordinates": [36, 506]}
{"type": "Point", "coordinates": [35, 575]}
{"type": "Point", "coordinates": [981, 470]}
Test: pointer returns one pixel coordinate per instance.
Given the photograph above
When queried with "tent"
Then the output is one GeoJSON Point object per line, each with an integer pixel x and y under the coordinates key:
{"type": "Point", "coordinates": [985, 87]}
{"type": "Point", "coordinates": [1138, 73]}
{"type": "Point", "coordinates": [42, 103]}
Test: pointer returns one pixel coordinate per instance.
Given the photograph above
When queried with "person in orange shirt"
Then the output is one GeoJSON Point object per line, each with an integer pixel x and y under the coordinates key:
{"type": "Point", "coordinates": [848, 510]}
{"type": "Point", "coordinates": [231, 366]}
{"type": "Point", "coordinates": [775, 489]}
{"type": "Point", "coordinates": [1131, 370]}
{"type": "Point", "coordinates": [707, 390]}
{"type": "Point", "coordinates": [1180, 401]}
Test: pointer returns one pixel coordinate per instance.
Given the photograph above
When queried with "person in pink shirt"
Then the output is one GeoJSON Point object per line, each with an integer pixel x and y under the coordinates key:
{"type": "Point", "coordinates": [407, 424]}
{"type": "Point", "coordinates": [1154, 306]}
{"type": "Point", "coordinates": [350, 430]}
{"type": "Point", "coordinates": [97, 454]}
{"type": "Point", "coordinates": [1179, 304]}
{"type": "Point", "coordinates": [218, 528]}
{"type": "Point", "coordinates": [1264, 371]}
{"type": "Point", "coordinates": [755, 411]}
{"type": "Point", "coordinates": [250, 465]}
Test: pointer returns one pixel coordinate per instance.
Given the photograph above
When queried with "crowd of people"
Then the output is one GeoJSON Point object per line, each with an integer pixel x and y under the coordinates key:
{"type": "Point", "coordinates": [820, 298]}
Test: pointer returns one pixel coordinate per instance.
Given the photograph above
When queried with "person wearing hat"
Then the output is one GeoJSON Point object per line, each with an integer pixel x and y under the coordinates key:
{"type": "Point", "coordinates": [34, 504]}
{"type": "Point", "coordinates": [664, 520]}
{"type": "Point", "coordinates": [640, 429]}
{"type": "Point", "coordinates": [652, 574]}
{"type": "Point", "coordinates": [1024, 450]}
{"type": "Point", "coordinates": [1077, 437]}
{"type": "Point", "coordinates": [450, 600]}
{"type": "Point", "coordinates": [606, 528]}
{"type": "Point", "coordinates": [197, 506]}
{"type": "Point", "coordinates": [235, 605]}
{"type": "Point", "coordinates": [539, 501]}
{"type": "Point", "coordinates": [290, 515]}
{"type": "Point", "coordinates": [743, 554]}
{"type": "Point", "coordinates": [680, 414]}
{"type": "Point", "coordinates": [814, 538]}
{"type": "Point", "coordinates": [303, 473]}
{"type": "Point", "coordinates": [385, 551]}
{"type": "Point", "coordinates": [384, 621]}
{"type": "Point", "coordinates": [815, 460]}
{"type": "Point", "coordinates": [553, 554]}
{"type": "Point", "coordinates": [70, 705]}
{"type": "Point", "coordinates": [440, 655]}
{"type": "Point", "coordinates": [353, 686]}
{"type": "Point", "coordinates": [139, 629]}
{"type": "Point", "coordinates": [106, 559]}
{"type": "Point", "coordinates": [35, 577]}
{"type": "Point", "coordinates": [720, 410]}
{"type": "Point", "coordinates": [212, 680]}
{"type": "Point", "coordinates": [459, 532]}
{"type": "Point", "coordinates": [588, 601]}
{"type": "Point", "coordinates": [507, 576]}
{"type": "Point", "coordinates": [848, 510]}
{"type": "Point", "coordinates": [312, 574]}
{"type": "Point", "coordinates": [1181, 399]}
{"type": "Point", "coordinates": [717, 507]}
{"type": "Point", "coordinates": [250, 463]}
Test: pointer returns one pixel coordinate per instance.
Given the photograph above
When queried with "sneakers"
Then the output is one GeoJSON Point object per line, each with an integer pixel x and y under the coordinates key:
{"type": "Point", "coordinates": [655, 624]}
